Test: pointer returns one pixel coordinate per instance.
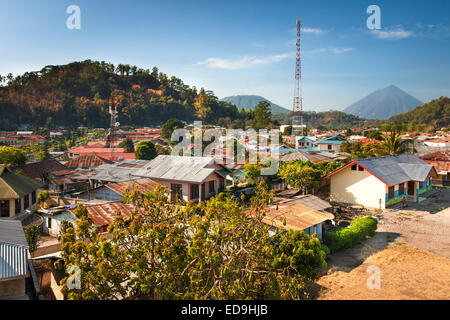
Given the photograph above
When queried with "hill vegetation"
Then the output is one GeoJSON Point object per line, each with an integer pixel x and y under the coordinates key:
{"type": "Point", "coordinates": [329, 119]}
{"type": "Point", "coordinates": [78, 94]}
{"type": "Point", "coordinates": [248, 102]}
{"type": "Point", "coordinates": [435, 113]}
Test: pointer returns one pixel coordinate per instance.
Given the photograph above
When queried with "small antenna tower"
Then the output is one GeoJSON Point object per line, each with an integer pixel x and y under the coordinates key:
{"type": "Point", "coordinates": [114, 125]}
{"type": "Point", "coordinates": [297, 115]}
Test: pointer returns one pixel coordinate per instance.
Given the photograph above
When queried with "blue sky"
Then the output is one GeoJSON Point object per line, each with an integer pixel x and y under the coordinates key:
{"type": "Point", "coordinates": [244, 47]}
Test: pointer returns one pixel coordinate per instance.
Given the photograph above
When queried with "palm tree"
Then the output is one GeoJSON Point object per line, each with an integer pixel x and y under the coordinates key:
{"type": "Point", "coordinates": [393, 143]}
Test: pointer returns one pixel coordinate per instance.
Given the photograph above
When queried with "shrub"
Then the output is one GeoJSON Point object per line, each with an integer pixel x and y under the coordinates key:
{"type": "Point", "coordinates": [359, 230]}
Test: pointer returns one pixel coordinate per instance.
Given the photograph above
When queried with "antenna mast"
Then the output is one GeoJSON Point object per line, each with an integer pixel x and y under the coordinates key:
{"type": "Point", "coordinates": [297, 115]}
{"type": "Point", "coordinates": [113, 130]}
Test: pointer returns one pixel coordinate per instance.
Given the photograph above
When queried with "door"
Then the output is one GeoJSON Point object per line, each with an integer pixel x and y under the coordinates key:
{"type": "Point", "coordinates": [410, 188]}
{"type": "Point", "coordinates": [203, 192]}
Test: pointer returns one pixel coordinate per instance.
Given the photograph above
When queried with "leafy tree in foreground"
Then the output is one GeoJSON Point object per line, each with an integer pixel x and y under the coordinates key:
{"type": "Point", "coordinates": [145, 150]}
{"type": "Point", "coordinates": [212, 250]}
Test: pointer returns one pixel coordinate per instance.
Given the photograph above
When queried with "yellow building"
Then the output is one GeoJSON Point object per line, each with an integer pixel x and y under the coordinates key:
{"type": "Point", "coordinates": [382, 181]}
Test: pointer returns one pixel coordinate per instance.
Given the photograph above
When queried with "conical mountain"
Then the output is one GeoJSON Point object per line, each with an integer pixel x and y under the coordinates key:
{"type": "Point", "coordinates": [383, 103]}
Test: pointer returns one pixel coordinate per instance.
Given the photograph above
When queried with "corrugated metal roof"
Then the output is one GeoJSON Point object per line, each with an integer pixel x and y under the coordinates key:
{"type": "Point", "coordinates": [295, 216]}
{"type": "Point", "coordinates": [104, 214]}
{"type": "Point", "coordinates": [87, 161]}
{"type": "Point", "coordinates": [13, 249]}
{"type": "Point", "coordinates": [304, 156]}
{"type": "Point", "coordinates": [394, 169]}
{"type": "Point", "coordinates": [144, 185]}
{"type": "Point", "coordinates": [180, 168]}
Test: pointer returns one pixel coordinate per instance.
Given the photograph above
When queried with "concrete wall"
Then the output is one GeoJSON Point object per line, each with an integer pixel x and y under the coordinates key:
{"type": "Point", "coordinates": [32, 207]}
{"type": "Point", "coordinates": [357, 187]}
{"type": "Point", "coordinates": [13, 288]}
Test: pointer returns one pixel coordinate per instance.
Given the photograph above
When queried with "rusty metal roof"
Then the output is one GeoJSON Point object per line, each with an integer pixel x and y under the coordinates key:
{"type": "Point", "coordinates": [295, 216]}
{"type": "Point", "coordinates": [104, 214]}
{"type": "Point", "coordinates": [305, 156]}
{"type": "Point", "coordinates": [144, 185]}
{"type": "Point", "coordinates": [87, 161]}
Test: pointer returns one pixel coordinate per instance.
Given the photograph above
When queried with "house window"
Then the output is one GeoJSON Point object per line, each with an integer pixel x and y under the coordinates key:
{"type": "Point", "coordinates": [4, 208]}
{"type": "Point", "coordinates": [49, 223]}
{"type": "Point", "coordinates": [354, 167]}
{"type": "Point", "coordinates": [222, 184]}
{"type": "Point", "coordinates": [17, 205]}
{"type": "Point", "coordinates": [329, 147]}
{"type": "Point", "coordinates": [194, 191]}
{"type": "Point", "coordinates": [390, 192]}
{"type": "Point", "coordinates": [360, 168]}
{"type": "Point", "coordinates": [26, 201]}
{"type": "Point", "coordinates": [211, 187]}
{"type": "Point", "coordinates": [33, 197]}
{"type": "Point", "coordinates": [401, 189]}
{"type": "Point", "coordinates": [420, 185]}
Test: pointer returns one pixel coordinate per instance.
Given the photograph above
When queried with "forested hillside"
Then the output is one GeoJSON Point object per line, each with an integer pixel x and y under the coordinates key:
{"type": "Point", "coordinates": [78, 94]}
{"type": "Point", "coordinates": [435, 113]}
{"type": "Point", "coordinates": [330, 119]}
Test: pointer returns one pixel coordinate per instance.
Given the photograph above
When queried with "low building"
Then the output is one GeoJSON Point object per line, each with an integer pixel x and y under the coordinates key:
{"type": "Point", "coordinates": [188, 178]}
{"type": "Point", "coordinates": [441, 162]}
{"type": "Point", "coordinates": [40, 170]}
{"type": "Point", "coordinates": [297, 216]}
{"type": "Point", "coordinates": [18, 194]}
{"type": "Point", "coordinates": [382, 181]}
{"type": "Point", "coordinates": [87, 161]}
{"type": "Point", "coordinates": [305, 156]}
{"type": "Point", "coordinates": [13, 260]}
{"type": "Point", "coordinates": [331, 143]}
{"type": "Point", "coordinates": [116, 191]}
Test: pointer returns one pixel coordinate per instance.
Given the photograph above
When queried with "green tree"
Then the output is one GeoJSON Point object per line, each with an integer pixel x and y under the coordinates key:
{"type": "Point", "coordinates": [32, 234]}
{"type": "Point", "coordinates": [300, 175]}
{"type": "Point", "coordinates": [253, 172]}
{"type": "Point", "coordinates": [262, 114]}
{"type": "Point", "coordinates": [393, 143]}
{"type": "Point", "coordinates": [145, 150]}
{"type": "Point", "coordinates": [168, 127]}
{"type": "Point", "coordinates": [128, 144]}
{"type": "Point", "coordinates": [213, 250]}
{"type": "Point", "coordinates": [12, 156]}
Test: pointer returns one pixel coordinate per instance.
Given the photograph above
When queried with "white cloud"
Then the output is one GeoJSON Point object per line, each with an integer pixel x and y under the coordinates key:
{"type": "Point", "coordinates": [241, 63]}
{"type": "Point", "coordinates": [313, 30]}
{"type": "Point", "coordinates": [329, 49]}
{"type": "Point", "coordinates": [393, 34]}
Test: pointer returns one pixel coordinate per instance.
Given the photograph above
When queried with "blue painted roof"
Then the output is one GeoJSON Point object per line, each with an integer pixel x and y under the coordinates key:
{"type": "Point", "coordinates": [331, 140]}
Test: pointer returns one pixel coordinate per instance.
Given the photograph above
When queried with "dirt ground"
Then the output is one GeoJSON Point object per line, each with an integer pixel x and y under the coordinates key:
{"type": "Point", "coordinates": [406, 273]}
{"type": "Point", "coordinates": [412, 249]}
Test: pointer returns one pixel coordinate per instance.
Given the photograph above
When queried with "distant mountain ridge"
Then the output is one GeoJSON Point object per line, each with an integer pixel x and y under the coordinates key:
{"type": "Point", "coordinates": [248, 102]}
{"type": "Point", "coordinates": [383, 103]}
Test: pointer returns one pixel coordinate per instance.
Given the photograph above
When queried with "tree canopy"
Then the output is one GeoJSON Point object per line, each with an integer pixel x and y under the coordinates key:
{"type": "Point", "coordinates": [145, 150]}
{"type": "Point", "coordinates": [213, 250]}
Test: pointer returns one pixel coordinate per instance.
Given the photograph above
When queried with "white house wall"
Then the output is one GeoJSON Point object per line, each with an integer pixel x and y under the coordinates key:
{"type": "Point", "coordinates": [357, 187]}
